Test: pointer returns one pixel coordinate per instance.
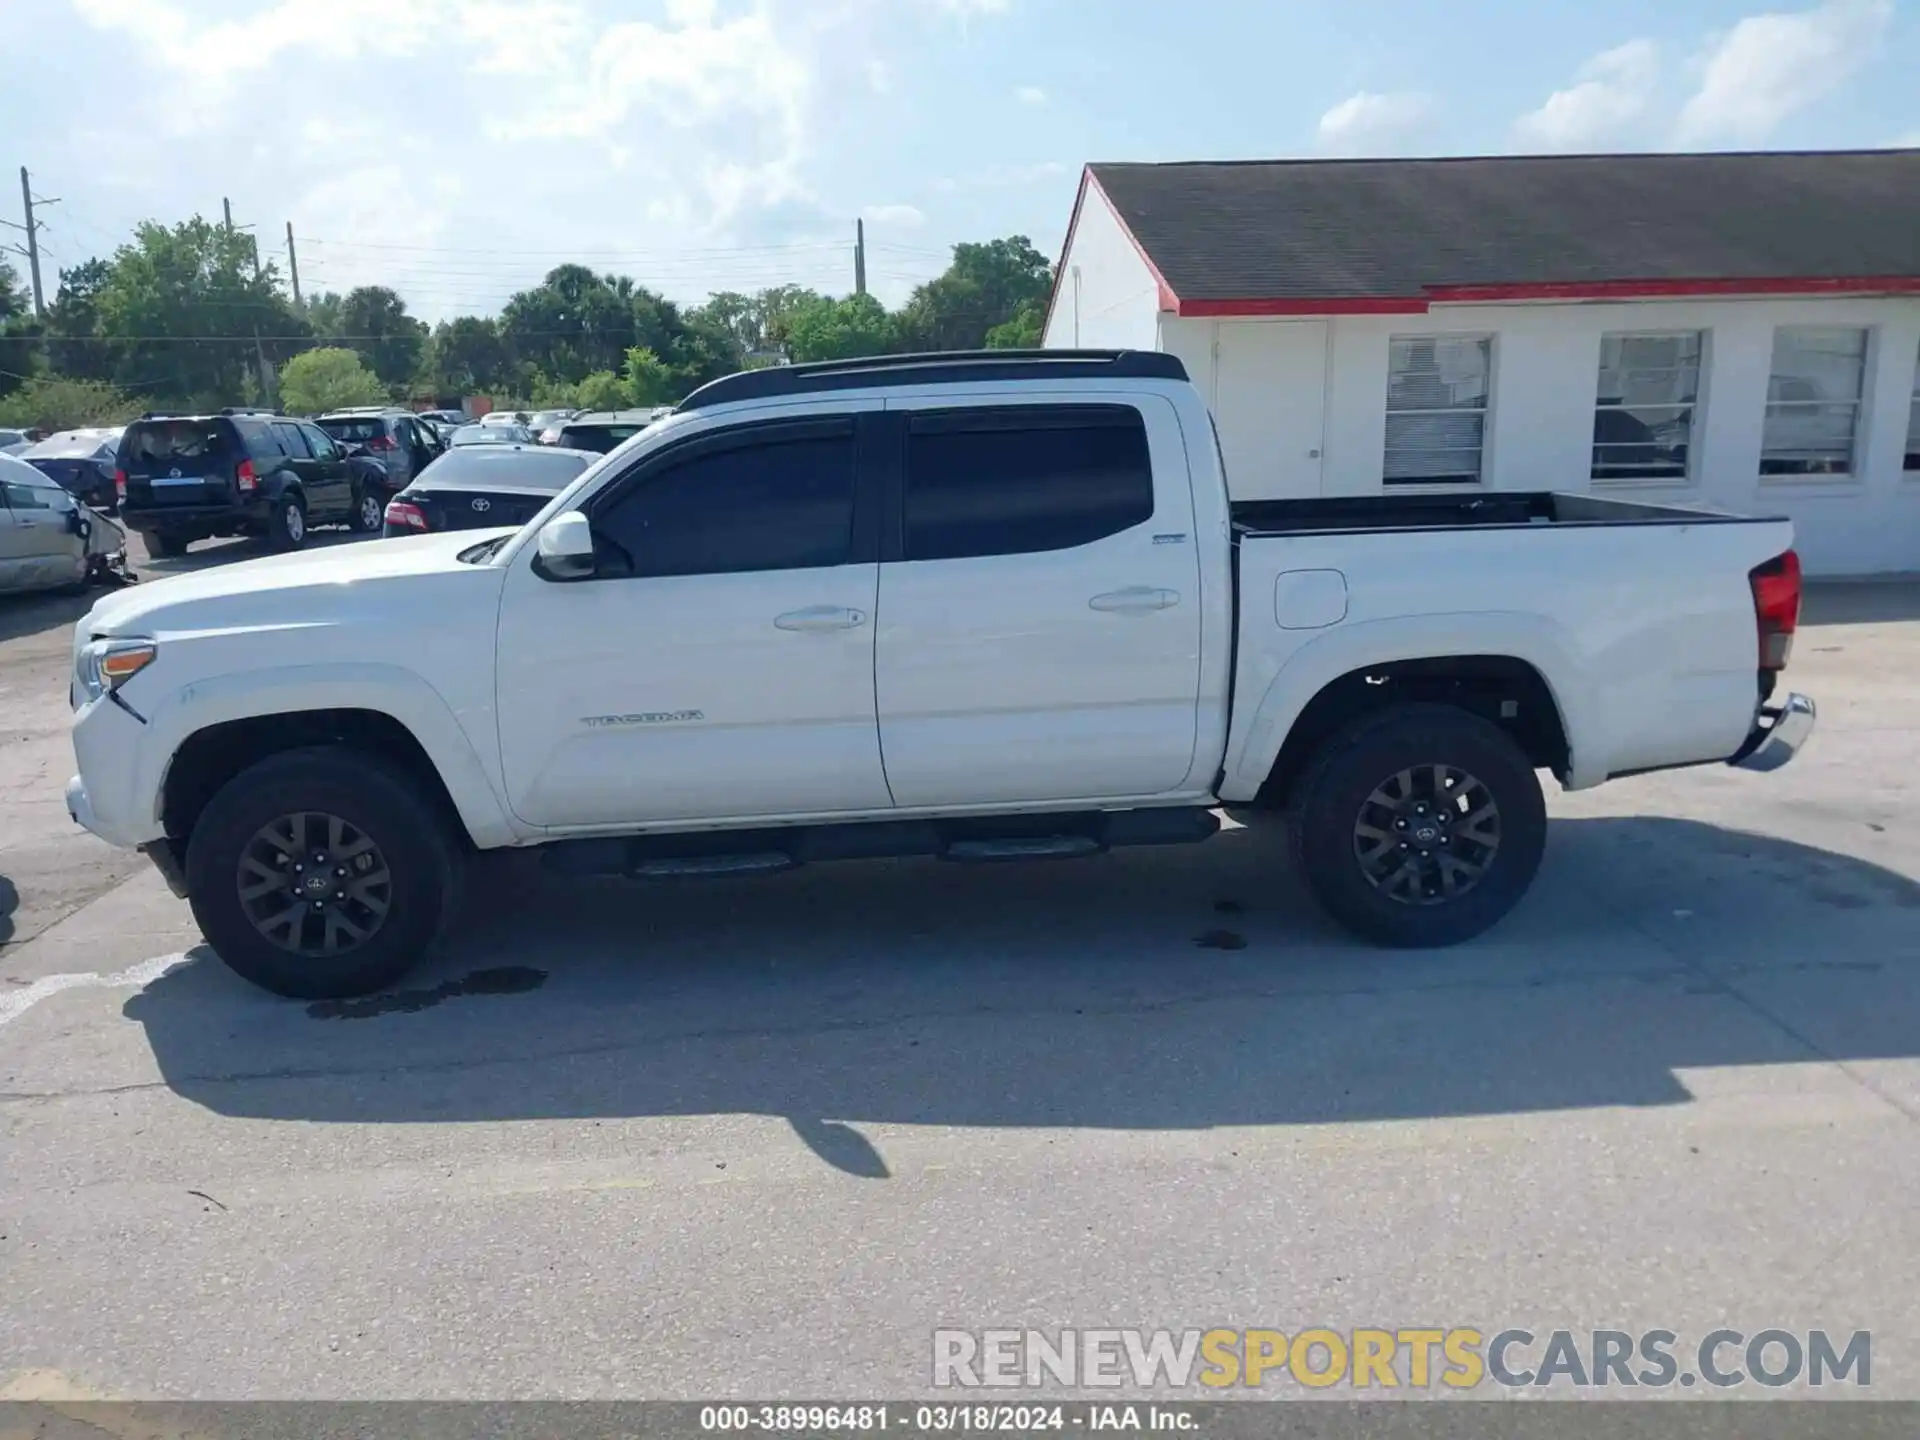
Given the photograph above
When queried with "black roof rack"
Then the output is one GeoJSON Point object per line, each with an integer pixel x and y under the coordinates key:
{"type": "Point", "coordinates": [937, 368]}
{"type": "Point", "coordinates": [247, 410]}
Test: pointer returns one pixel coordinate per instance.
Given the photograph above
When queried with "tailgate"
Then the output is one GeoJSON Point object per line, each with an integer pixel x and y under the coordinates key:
{"type": "Point", "coordinates": [479, 509]}
{"type": "Point", "coordinates": [179, 462]}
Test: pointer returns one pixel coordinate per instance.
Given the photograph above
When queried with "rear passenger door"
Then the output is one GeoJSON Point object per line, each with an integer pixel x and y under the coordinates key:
{"type": "Point", "coordinates": [1039, 613]}
{"type": "Point", "coordinates": [330, 464]}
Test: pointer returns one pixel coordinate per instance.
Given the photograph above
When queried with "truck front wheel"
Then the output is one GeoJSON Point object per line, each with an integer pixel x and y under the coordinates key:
{"type": "Point", "coordinates": [320, 873]}
{"type": "Point", "coordinates": [1419, 826]}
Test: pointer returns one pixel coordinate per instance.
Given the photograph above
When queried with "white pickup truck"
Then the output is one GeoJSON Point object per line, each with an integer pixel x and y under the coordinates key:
{"type": "Point", "coordinates": [984, 607]}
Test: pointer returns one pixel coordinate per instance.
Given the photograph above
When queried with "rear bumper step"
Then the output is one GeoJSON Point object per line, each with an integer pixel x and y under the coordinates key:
{"type": "Point", "coordinates": [1778, 735]}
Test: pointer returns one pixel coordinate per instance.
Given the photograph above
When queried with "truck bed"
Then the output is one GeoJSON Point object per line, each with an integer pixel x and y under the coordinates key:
{"type": "Point", "coordinates": [1511, 509]}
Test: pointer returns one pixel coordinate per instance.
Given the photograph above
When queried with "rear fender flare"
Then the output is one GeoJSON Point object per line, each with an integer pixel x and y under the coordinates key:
{"type": "Point", "coordinates": [1260, 726]}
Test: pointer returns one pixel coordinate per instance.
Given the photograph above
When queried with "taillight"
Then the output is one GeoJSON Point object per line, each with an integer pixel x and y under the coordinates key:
{"type": "Point", "coordinates": [381, 442]}
{"type": "Point", "coordinates": [245, 477]}
{"type": "Point", "coordinates": [1776, 607]}
{"type": "Point", "coordinates": [120, 484]}
{"type": "Point", "coordinates": [401, 512]}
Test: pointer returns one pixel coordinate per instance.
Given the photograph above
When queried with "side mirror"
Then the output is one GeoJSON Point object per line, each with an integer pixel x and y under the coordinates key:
{"type": "Point", "coordinates": [565, 549]}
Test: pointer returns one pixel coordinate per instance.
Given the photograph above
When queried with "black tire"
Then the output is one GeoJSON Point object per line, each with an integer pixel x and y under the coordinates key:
{"type": "Point", "coordinates": [1354, 765]}
{"type": "Point", "coordinates": [162, 546]}
{"type": "Point", "coordinates": [287, 524]}
{"type": "Point", "coordinates": [376, 799]}
{"type": "Point", "coordinates": [358, 521]}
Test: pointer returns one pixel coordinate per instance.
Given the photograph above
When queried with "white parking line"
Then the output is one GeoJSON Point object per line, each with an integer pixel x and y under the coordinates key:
{"type": "Point", "coordinates": [14, 1004]}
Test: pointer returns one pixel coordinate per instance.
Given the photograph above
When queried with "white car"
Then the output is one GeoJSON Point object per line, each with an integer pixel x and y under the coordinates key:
{"type": "Point", "coordinates": [49, 540]}
{"type": "Point", "coordinates": [974, 606]}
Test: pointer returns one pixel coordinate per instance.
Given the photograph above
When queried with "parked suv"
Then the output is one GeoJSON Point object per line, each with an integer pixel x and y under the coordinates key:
{"type": "Point", "coordinates": [395, 440]}
{"type": "Point", "coordinates": [183, 478]}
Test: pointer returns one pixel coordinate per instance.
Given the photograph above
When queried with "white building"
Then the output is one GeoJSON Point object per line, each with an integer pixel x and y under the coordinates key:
{"type": "Point", "coordinates": [1740, 331]}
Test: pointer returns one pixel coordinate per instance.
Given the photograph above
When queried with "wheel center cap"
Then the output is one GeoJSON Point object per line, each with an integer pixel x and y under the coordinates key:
{"type": "Point", "coordinates": [1426, 834]}
{"type": "Point", "coordinates": [314, 884]}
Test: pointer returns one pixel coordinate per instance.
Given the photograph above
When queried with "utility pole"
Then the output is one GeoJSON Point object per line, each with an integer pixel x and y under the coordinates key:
{"type": "Point", "coordinates": [32, 229]}
{"type": "Point", "coordinates": [860, 257]}
{"type": "Point", "coordinates": [259, 349]}
{"type": "Point", "coordinates": [293, 266]}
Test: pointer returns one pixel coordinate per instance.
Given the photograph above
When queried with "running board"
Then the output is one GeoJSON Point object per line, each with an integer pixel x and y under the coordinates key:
{"type": "Point", "coordinates": [694, 866]}
{"type": "Point", "coordinates": [977, 839]}
{"type": "Point", "coordinates": [1037, 847]}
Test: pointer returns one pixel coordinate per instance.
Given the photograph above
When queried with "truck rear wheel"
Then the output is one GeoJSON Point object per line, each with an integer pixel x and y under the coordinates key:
{"type": "Point", "coordinates": [320, 873]}
{"type": "Point", "coordinates": [1419, 826]}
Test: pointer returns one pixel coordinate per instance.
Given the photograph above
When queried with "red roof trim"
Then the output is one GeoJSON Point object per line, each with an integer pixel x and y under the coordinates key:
{"type": "Point", "coordinates": [1355, 306]}
{"type": "Point", "coordinates": [1570, 290]}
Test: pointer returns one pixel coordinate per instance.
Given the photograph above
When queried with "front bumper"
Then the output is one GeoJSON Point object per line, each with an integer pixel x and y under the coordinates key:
{"type": "Point", "coordinates": [1777, 736]}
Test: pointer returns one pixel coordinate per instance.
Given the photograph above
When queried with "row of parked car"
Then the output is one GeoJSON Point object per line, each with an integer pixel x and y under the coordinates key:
{"type": "Point", "coordinates": [180, 478]}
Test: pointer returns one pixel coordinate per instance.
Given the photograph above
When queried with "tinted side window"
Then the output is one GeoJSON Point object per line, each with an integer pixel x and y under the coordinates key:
{"type": "Point", "coordinates": [293, 441]}
{"type": "Point", "coordinates": [258, 438]}
{"type": "Point", "coordinates": [778, 500]}
{"type": "Point", "coordinates": [1013, 480]}
{"type": "Point", "coordinates": [320, 443]}
{"type": "Point", "coordinates": [25, 497]}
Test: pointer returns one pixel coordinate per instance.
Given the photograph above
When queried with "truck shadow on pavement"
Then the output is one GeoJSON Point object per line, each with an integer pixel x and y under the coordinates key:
{"type": "Point", "coordinates": [1095, 993]}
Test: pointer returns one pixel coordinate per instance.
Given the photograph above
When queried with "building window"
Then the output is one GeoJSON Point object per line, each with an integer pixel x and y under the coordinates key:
{"type": "Point", "coordinates": [1437, 408]}
{"type": "Point", "coordinates": [1912, 463]}
{"type": "Point", "coordinates": [1813, 401]}
{"type": "Point", "coordinates": [1643, 416]}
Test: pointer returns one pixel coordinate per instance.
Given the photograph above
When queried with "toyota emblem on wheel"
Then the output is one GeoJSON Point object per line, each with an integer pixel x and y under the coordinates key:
{"type": "Point", "coordinates": [483, 504]}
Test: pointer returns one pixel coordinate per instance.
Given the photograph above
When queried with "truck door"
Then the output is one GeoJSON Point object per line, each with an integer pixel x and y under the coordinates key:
{"type": "Point", "coordinates": [720, 664]}
{"type": "Point", "coordinates": [1040, 612]}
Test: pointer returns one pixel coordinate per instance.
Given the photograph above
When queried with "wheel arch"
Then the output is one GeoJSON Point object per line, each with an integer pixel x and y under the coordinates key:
{"type": "Point", "coordinates": [225, 725]}
{"type": "Point", "coordinates": [1522, 687]}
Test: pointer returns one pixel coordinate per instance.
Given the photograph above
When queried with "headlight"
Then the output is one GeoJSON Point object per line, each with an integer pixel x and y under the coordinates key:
{"type": "Point", "coordinates": [105, 665]}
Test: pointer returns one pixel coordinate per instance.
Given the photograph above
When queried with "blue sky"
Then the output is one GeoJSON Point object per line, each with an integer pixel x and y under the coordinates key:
{"type": "Point", "coordinates": [456, 149]}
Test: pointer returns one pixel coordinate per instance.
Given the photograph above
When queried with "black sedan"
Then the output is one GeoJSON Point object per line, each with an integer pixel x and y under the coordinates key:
{"type": "Point", "coordinates": [81, 461]}
{"type": "Point", "coordinates": [472, 487]}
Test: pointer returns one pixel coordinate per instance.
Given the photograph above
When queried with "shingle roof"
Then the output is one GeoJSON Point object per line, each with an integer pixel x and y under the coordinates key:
{"type": "Point", "coordinates": [1355, 229]}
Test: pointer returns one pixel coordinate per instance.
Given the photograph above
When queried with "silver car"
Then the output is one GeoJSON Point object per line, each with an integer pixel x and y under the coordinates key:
{"type": "Point", "coordinates": [48, 539]}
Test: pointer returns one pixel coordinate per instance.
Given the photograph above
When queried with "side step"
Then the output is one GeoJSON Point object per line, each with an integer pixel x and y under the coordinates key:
{"type": "Point", "coordinates": [1037, 847]}
{"type": "Point", "coordinates": [982, 839]}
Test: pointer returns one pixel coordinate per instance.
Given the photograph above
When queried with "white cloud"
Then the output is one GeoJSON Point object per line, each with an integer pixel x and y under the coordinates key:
{"type": "Point", "coordinates": [1610, 94]}
{"type": "Point", "coordinates": [1366, 122]}
{"type": "Point", "coordinates": [905, 217]}
{"type": "Point", "coordinates": [1908, 141]}
{"type": "Point", "coordinates": [1030, 95]}
{"type": "Point", "coordinates": [1770, 67]}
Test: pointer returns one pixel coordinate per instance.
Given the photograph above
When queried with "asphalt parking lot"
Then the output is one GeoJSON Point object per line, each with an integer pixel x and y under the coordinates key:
{"type": "Point", "coordinates": [760, 1138]}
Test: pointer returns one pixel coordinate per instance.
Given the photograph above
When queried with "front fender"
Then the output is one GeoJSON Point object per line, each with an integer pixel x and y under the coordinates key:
{"type": "Point", "coordinates": [387, 689]}
{"type": "Point", "coordinates": [1273, 689]}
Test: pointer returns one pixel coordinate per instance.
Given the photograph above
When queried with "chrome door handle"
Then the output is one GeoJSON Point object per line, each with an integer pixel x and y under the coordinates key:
{"type": "Point", "coordinates": [821, 617]}
{"type": "Point", "coordinates": [1135, 599]}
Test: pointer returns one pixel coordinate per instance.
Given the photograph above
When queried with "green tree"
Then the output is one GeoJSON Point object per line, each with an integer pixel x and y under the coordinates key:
{"type": "Point", "coordinates": [18, 333]}
{"type": "Point", "coordinates": [59, 402]}
{"type": "Point", "coordinates": [824, 329]}
{"type": "Point", "coordinates": [323, 314]}
{"type": "Point", "coordinates": [1023, 332]}
{"type": "Point", "coordinates": [75, 345]}
{"type": "Point", "coordinates": [650, 381]}
{"type": "Point", "coordinates": [468, 357]}
{"type": "Point", "coordinates": [184, 313]}
{"type": "Point", "coordinates": [316, 381]}
{"type": "Point", "coordinates": [602, 390]}
{"type": "Point", "coordinates": [985, 286]}
{"type": "Point", "coordinates": [375, 323]}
